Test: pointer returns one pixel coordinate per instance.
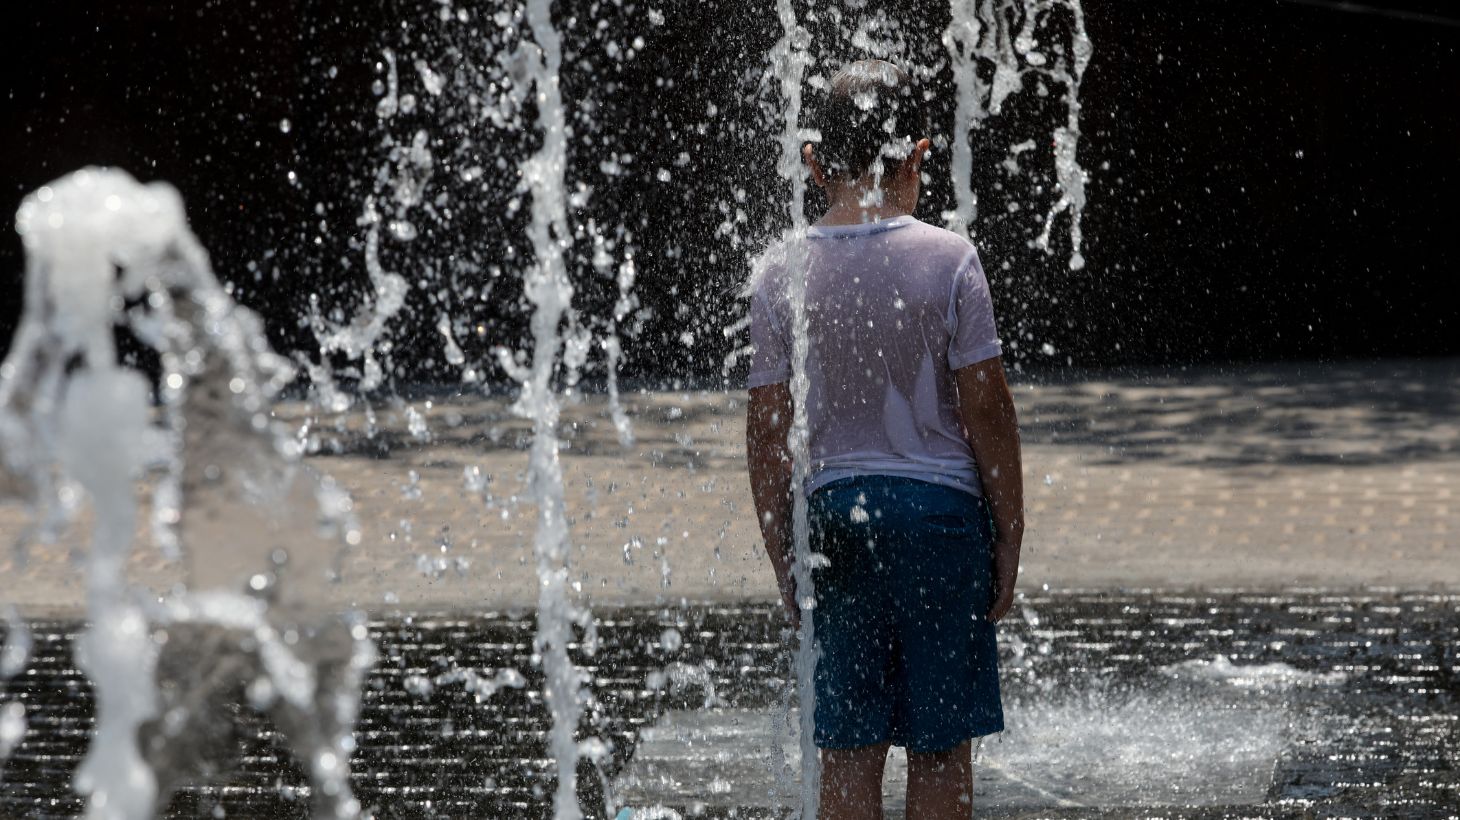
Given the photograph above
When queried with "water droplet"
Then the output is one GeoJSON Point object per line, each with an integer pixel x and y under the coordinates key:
{"type": "Point", "coordinates": [402, 229]}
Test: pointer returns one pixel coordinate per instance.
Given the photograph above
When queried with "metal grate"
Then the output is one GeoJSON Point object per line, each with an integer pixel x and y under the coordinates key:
{"type": "Point", "coordinates": [443, 754]}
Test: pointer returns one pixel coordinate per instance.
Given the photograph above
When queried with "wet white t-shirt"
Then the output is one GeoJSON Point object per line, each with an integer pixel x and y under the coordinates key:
{"type": "Point", "coordinates": [893, 307]}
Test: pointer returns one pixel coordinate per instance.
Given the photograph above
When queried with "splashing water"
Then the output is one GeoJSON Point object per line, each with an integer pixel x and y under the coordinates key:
{"type": "Point", "coordinates": [400, 185]}
{"type": "Point", "coordinates": [16, 650]}
{"type": "Point", "coordinates": [1268, 676]}
{"type": "Point", "coordinates": [530, 72]}
{"type": "Point", "coordinates": [13, 655]}
{"type": "Point", "coordinates": [789, 59]}
{"type": "Point", "coordinates": [550, 292]}
{"type": "Point", "coordinates": [1070, 72]}
{"type": "Point", "coordinates": [103, 250]}
{"type": "Point", "coordinates": [76, 234]}
{"type": "Point", "coordinates": [1158, 747]}
{"type": "Point", "coordinates": [1001, 34]}
{"type": "Point", "coordinates": [362, 338]}
{"type": "Point", "coordinates": [12, 729]}
{"type": "Point", "coordinates": [613, 348]}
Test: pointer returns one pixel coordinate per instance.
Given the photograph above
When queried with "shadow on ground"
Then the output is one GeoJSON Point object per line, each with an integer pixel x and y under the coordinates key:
{"type": "Point", "coordinates": [1298, 414]}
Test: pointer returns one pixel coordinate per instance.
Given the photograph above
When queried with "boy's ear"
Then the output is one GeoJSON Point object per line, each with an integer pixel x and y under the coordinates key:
{"type": "Point", "coordinates": [914, 162]}
{"type": "Point", "coordinates": [808, 156]}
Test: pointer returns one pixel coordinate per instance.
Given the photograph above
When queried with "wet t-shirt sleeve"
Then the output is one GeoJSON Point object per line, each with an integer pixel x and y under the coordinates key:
{"type": "Point", "coordinates": [772, 361]}
{"type": "Point", "coordinates": [971, 316]}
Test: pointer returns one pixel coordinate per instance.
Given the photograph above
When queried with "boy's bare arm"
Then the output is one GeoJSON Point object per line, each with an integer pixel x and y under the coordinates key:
{"type": "Point", "coordinates": [987, 411]}
{"type": "Point", "coordinates": [767, 424]}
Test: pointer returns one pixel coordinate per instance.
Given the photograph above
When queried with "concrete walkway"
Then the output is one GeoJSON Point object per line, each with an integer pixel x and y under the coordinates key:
{"type": "Point", "coordinates": [1265, 477]}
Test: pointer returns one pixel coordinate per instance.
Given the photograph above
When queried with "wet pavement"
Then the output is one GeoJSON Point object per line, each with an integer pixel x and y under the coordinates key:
{"type": "Point", "coordinates": [1212, 704]}
{"type": "Point", "coordinates": [1256, 477]}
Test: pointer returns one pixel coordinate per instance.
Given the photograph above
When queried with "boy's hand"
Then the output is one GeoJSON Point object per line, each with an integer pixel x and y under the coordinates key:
{"type": "Point", "coordinates": [990, 422]}
{"type": "Point", "coordinates": [1006, 573]}
{"type": "Point", "coordinates": [788, 600]}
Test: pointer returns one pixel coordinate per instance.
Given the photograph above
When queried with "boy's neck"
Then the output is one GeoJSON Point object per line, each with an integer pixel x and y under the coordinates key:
{"type": "Point", "coordinates": [856, 204]}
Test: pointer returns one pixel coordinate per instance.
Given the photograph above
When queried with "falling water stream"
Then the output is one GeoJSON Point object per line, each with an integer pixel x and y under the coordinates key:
{"type": "Point", "coordinates": [550, 292]}
{"type": "Point", "coordinates": [789, 60]}
{"type": "Point", "coordinates": [995, 52]}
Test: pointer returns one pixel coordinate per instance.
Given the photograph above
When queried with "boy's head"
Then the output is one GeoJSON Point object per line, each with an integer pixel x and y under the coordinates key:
{"type": "Point", "coordinates": [872, 112]}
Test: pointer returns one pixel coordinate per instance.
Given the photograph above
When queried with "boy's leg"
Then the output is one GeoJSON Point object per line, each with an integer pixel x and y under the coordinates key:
{"type": "Point", "coordinates": [853, 625]}
{"type": "Point", "coordinates": [940, 784]}
{"type": "Point", "coordinates": [851, 783]}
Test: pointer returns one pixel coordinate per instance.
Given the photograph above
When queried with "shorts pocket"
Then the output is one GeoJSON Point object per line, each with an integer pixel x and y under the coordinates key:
{"type": "Point", "coordinates": [946, 525]}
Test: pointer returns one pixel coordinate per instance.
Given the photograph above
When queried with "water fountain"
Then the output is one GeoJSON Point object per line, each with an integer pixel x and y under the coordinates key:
{"type": "Point", "coordinates": [261, 530]}
{"type": "Point", "coordinates": [258, 531]}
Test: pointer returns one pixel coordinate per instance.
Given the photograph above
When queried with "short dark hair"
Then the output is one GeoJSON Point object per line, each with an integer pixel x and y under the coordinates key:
{"type": "Point", "coordinates": [870, 107]}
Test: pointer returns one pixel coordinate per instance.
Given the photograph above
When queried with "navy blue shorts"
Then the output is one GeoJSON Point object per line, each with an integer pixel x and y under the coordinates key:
{"type": "Point", "coordinates": [907, 656]}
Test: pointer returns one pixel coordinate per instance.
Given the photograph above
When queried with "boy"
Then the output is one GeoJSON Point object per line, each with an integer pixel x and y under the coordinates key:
{"type": "Point", "coordinates": [915, 486]}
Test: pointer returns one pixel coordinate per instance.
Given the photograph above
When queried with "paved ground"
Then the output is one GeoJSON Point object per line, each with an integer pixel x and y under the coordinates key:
{"type": "Point", "coordinates": [1265, 477]}
{"type": "Point", "coordinates": [1272, 705]}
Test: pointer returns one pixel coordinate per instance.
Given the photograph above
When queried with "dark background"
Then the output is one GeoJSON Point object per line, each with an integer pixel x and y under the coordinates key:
{"type": "Point", "coordinates": [1270, 179]}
